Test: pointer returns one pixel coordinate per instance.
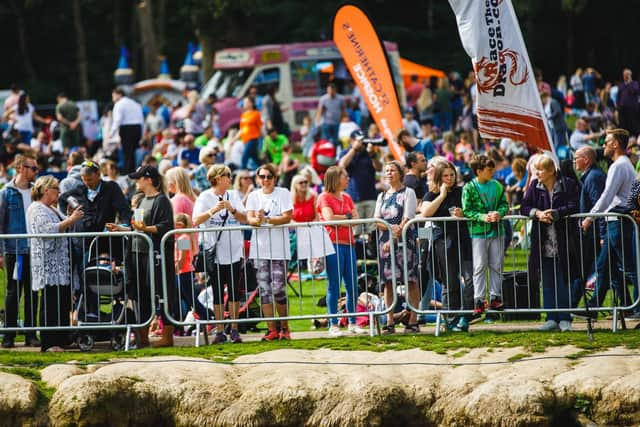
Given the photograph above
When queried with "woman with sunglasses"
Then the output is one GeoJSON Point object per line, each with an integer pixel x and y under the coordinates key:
{"type": "Point", "coordinates": [221, 207]}
{"type": "Point", "coordinates": [313, 243]}
{"type": "Point", "coordinates": [271, 205]}
{"type": "Point", "coordinates": [243, 184]}
{"type": "Point", "coordinates": [207, 158]}
{"type": "Point", "coordinates": [50, 261]}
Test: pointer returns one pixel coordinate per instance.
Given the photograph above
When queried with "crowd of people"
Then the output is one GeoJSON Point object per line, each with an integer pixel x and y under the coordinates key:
{"type": "Point", "coordinates": [334, 168]}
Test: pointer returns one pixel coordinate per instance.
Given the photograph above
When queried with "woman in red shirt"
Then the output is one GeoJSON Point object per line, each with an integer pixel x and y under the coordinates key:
{"type": "Point", "coordinates": [334, 205]}
{"type": "Point", "coordinates": [313, 242]}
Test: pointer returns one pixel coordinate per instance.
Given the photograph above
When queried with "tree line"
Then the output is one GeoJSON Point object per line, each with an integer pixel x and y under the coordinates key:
{"type": "Point", "coordinates": [73, 46]}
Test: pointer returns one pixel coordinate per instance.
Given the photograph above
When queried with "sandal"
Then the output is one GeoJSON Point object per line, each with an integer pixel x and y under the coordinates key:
{"type": "Point", "coordinates": [388, 330]}
{"type": "Point", "coordinates": [412, 329]}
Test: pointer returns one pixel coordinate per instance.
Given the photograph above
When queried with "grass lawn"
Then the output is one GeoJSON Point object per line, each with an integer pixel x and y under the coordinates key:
{"type": "Point", "coordinates": [452, 344]}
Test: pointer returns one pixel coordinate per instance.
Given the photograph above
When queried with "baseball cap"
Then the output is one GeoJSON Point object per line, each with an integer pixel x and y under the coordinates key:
{"type": "Point", "coordinates": [146, 172]}
{"type": "Point", "coordinates": [357, 134]}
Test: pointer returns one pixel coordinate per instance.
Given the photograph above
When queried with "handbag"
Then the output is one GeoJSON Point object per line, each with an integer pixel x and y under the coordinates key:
{"type": "Point", "coordinates": [207, 257]}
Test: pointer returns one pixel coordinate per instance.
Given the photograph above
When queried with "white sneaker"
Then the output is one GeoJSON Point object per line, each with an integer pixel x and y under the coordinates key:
{"type": "Point", "coordinates": [565, 325]}
{"type": "Point", "coordinates": [334, 331]}
{"type": "Point", "coordinates": [355, 329]}
{"type": "Point", "coordinates": [549, 325]}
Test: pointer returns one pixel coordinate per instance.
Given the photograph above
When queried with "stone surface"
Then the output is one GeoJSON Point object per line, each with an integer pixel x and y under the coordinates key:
{"type": "Point", "coordinates": [18, 400]}
{"type": "Point", "coordinates": [333, 388]}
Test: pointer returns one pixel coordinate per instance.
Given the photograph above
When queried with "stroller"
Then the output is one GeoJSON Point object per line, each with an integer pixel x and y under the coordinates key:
{"type": "Point", "coordinates": [102, 299]}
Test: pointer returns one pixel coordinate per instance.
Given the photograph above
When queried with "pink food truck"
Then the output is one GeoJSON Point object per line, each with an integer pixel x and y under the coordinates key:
{"type": "Point", "coordinates": [299, 71]}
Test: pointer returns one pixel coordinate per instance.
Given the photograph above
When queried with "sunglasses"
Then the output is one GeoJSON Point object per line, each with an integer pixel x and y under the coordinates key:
{"type": "Point", "coordinates": [303, 182]}
{"type": "Point", "coordinates": [90, 164]}
{"type": "Point", "coordinates": [245, 177]}
{"type": "Point", "coordinates": [228, 175]}
{"type": "Point", "coordinates": [265, 177]}
{"type": "Point", "coordinates": [33, 168]}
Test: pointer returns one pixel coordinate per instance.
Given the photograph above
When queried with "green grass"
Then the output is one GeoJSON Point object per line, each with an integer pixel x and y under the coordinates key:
{"type": "Point", "coordinates": [455, 345]}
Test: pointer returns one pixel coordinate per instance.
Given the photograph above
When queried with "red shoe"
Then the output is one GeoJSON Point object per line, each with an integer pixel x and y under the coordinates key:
{"type": "Point", "coordinates": [480, 307]}
{"type": "Point", "coordinates": [271, 335]}
{"type": "Point", "coordinates": [496, 304]}
{"type": "Point", "coordinates": [285, 334]}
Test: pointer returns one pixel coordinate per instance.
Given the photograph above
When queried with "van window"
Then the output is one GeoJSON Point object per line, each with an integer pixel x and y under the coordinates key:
{"type": "Point", "coordinates": [226, 82]}
{"type": "Point", "coordinates": [267, 78]}
{"type": "Point", "coordinates": [310, 77]}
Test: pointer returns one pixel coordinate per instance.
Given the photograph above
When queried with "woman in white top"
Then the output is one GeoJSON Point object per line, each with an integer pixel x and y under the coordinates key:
{"type": "Point", "coordinates": [271, 205]}
{"type": "Point", "coordinates": [23, 115]}
{"type": "Point", "coordinates": [50, 261]}
{"type": "Point", "coordinates": [220, 207]}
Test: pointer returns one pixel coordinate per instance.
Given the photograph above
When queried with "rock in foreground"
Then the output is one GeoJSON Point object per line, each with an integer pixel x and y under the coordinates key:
{"type": "Point", "coordinates": [332, 388]}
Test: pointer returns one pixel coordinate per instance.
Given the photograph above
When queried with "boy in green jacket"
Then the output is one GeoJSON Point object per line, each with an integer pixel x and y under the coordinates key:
{"type": "Point", "coordinates": [484, 203]}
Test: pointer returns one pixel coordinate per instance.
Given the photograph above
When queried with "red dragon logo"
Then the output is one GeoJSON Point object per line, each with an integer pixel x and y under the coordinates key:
{"type": "Point", "coordinates": [489, 76]}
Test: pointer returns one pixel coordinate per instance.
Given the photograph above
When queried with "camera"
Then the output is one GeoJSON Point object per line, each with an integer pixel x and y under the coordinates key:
{"type": "Point", "coordinates": [381, 142]}
{"type": "Point", "coordinates": [73, 202]}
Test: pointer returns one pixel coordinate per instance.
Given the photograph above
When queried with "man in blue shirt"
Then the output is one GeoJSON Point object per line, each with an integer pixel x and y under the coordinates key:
{"type": "Point", "coordinates": [593, 181]}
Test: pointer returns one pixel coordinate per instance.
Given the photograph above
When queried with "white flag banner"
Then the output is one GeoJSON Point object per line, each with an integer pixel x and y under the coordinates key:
{"type": "Point", "coordinates": [508, 102]}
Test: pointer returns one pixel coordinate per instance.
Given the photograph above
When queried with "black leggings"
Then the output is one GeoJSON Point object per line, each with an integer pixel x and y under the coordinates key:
{"type": "Point", "coordinates": [55, 307]}
{"type": "Point", "coordinates": [140, 288]}
{"type": "Point", "coordinates": [226, 274]}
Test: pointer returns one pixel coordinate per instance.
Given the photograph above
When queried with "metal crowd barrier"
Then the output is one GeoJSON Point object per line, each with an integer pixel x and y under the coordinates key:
{"type": "Point", "coordinates": [95, 292]}
{"type": "Point", "coordinates": [306, 242]}
{"type": "Point", "coordinates": [587, 271]}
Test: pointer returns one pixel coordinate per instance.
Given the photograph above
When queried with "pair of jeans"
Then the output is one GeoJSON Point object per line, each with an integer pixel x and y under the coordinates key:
{"type": "Point", "coordinates": [14, 289]}
{"type": "Point", "coordinates": [555, 289]}
{"type": "Point", "coordinates": [616, 263]}
{"type": "Point", "coordinates": [341, 267]}
{"type": "Point", "coordinates": [330, 132]}
{"type": "Point", "coordinates": [250, 153]}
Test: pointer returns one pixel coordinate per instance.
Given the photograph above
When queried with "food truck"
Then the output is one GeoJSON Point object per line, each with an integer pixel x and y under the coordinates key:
{"type": "Point", "coordinates": [299, 72]}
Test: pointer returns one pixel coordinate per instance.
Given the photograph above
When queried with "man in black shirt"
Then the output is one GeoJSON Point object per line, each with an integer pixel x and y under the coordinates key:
{"type": "Point", "coordinates": [416, 165]}
{"type": "Point", "coordinates": [101, 201]}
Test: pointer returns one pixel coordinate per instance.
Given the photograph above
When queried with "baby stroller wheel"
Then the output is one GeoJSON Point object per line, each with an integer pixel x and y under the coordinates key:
{"type": "Point", "coordinates": [118, 342]}
{"type": "Point", "coordinates": [85, 342]}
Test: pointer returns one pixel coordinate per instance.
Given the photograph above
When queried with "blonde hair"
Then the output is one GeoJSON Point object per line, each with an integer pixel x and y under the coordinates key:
{"type": "Point", "coordinates": [216, 171]}
{"type": "Point", "coordinates": [294, 182]}
{"type": "Point", "coordinates": [204, 153]}
{"type": "Point", "coordinates": [546, 163]}
{"type": "Point", "coordinates": [238, 179]}
{"type": "Point", "coordinates": [183, 185]}
{"type": "Point", "coordinates": [43, 183]}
